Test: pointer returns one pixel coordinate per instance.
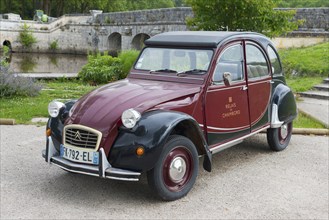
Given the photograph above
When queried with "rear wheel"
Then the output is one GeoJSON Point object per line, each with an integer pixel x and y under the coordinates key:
{"type": "Point", "coordinates": [175, 173]}
{"type": "Point", "coordinates": [279, 138]}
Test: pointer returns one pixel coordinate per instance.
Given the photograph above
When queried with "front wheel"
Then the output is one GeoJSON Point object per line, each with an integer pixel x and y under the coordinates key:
{"type": "Point", "coordinates": [176, 170]}
{"type": "Point", "coordinates": [279, 138]}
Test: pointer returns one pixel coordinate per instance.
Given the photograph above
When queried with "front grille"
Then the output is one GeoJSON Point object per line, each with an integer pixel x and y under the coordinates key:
{"type": "Point", "coordinates": [81, 136]}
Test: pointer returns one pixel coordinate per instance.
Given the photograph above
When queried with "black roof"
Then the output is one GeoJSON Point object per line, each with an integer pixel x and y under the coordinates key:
{"type": "Point", "coordinates": [195, 38]}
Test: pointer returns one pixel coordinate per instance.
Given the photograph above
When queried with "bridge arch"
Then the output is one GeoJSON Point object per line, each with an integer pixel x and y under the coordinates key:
{"type": "Point", "coordinates": [114, 42]}
{"type": "Point", "coordinates": [7, 43]}
{"type": "Point", "coordinates": [138, 41]}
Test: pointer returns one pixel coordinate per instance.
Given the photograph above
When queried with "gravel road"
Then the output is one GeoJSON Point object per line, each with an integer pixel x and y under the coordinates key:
{"type": "Point", "coordinates": [248, 181]}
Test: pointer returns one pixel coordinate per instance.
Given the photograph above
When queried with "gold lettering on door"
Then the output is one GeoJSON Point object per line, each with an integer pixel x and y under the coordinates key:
{"type": "Point", "coordinates": [231, 107]}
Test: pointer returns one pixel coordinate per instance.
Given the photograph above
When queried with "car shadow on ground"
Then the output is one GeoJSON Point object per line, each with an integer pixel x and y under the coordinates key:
{"type": "Point", "coordinates": [76, 188]}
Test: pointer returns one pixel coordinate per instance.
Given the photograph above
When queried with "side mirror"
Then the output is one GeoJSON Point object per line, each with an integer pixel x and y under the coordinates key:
{"type": "Point", "coordinates": [227, 78]}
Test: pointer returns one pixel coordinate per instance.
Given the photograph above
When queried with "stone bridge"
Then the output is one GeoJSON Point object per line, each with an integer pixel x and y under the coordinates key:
{"type": "Point", "coordinates": [125, 30]}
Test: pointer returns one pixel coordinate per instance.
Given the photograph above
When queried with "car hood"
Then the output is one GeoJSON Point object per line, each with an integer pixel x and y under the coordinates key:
{"type": "Point", "coordinates": [101, 109]}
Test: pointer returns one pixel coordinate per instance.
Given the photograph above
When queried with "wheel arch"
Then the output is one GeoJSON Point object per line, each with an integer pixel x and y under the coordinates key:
{"type": "Point", "coordinates": [152, 132]}
{"type": "Point", "coordinates": [188, 129]}
{"type": "Point", "coordinates": [284, 108]}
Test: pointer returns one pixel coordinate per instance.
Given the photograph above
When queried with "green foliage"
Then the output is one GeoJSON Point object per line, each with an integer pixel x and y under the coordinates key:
{"type": "Point", "coordinates": [26, 37]}
{"type": "Point", "coordinates": [127, 59]}
{"type": "Point", "coordinates": [303, 121]}
{"type": "Point", "coordinates": [5, 56]}
{"type": "Point", "coordinates": [303, 3]}
{"type": "Point", "coordinates": [307, 61]}
{"type": "Point", "coordinates": [302, 84]}
{"type": "Point", "coordinates": [246, 15]}
{"type": "Point", "coordinates": [102, 69]}
{"type": "Point", "coordinates": [57, 8]}
{"type": "Point", "coordinates": [53, 45]}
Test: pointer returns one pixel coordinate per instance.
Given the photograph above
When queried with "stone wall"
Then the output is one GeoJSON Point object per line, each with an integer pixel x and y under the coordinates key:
{"type": "Point", "coordinates": [315, 19]}
{"type": "Point", "coordinates": [155, 16]}
{"type": "Point", "coordinates": [125, 30]}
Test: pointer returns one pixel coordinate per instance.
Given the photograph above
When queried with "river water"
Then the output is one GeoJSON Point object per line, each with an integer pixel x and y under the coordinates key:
{"type": "Point", "coordinates": [46, 63]}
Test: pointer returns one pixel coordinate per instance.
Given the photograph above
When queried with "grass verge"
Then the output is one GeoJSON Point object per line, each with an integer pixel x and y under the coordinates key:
{"type": "Point", "coordinates": [23, 109]}
{"type": "Point", "coordinates": [306, 61]}
{"type": "Point", "coordinates": [303, 121]}
{"type": "Point", "coordinates": [302, 84]}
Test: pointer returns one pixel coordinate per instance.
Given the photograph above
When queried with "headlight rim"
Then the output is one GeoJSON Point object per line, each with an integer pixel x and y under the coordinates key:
{"type": "Point", "coordinates": [136, 117]}
{"type": "Point", "coordinates": [54, 108]}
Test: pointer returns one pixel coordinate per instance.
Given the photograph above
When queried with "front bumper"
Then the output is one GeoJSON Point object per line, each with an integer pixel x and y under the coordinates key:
{"type": "Point", "coordinates": [103, 170]}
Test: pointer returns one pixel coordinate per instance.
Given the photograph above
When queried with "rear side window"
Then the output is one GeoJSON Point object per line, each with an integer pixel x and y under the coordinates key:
{"type": "Point", "coordinates": [275, 62]}
{"type": "Point", "coordinates": [256, 62]}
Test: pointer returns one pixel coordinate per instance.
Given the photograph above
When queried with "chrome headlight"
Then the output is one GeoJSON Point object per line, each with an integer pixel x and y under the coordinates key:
{"type": "Point", "coordinates": [54, 107]}
{"type": "Point", "coordinates": [130, 117]}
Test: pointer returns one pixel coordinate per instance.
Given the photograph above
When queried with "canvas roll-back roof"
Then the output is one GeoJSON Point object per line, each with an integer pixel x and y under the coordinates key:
{"type": "Point", "coordinates": [193, 38]}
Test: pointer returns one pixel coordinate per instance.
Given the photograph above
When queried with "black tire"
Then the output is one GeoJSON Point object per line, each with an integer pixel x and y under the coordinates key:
{"type": "Point", "coordinates": [279, 138]}
{"type": "Point", "coordinates": [176, 170]}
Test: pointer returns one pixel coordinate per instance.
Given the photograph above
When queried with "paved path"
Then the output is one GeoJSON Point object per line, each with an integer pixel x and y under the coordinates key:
{"type": "Point", "coordinates": [316, 108]}
{"type": "Point", "coordinates": [315, 103]}
{"type": "Point", "coordinates": [48, 75]}
{"type": "Point", "coordinates": [248, 181]}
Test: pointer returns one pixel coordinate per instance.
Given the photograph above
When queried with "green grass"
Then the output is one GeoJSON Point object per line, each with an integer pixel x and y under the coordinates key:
{"type": "Point", "coordinates": [302, 121]}
{"type": "Point", "coordinates": [23, 109]}
{"type": "Point", "coordinates": [306, 61]}
{"type": "Point", "coordinates": [302, 84]}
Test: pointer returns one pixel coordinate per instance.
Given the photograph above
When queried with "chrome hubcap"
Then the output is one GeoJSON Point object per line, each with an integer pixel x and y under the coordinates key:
{"type": "Point", "coordinates": [177, 169]}
{"type": "Point", "coordinates": [284, 131]}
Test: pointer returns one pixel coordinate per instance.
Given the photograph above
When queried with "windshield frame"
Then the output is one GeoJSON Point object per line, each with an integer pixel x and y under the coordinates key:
{"type": "Point", "coordinates": [212, 50]}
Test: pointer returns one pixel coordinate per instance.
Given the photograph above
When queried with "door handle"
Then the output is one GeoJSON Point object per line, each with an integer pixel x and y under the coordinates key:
{"type": "Point", "coordinates": [243, 88]}
{"type": "Point", "coordinates": [271, 81]}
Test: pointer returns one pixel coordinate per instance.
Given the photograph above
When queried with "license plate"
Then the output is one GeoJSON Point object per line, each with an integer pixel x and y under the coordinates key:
{"type": "Point", "coordinates": [78, 155]}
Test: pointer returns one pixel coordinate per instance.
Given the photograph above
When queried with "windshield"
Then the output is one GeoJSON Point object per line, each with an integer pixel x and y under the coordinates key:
{"type": "Point", "coordinates": [174, 60]}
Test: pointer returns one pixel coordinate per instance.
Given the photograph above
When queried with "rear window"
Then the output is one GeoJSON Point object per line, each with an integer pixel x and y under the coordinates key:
{"type": "Point", "coordinates": [275, 62]}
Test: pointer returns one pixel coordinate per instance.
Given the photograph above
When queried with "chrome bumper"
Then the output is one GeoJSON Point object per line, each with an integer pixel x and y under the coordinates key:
{"type": "Point", "coordinates": [103, 170]}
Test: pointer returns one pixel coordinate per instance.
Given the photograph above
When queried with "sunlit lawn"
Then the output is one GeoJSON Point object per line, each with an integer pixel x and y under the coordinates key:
{"type": "Point", "coordinates": [23, 109]}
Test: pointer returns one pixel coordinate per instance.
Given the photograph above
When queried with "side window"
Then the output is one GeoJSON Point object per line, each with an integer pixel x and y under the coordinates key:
{"type": "Point", "coordinates": [230, 61]}
{"type": "Point", "coordinates": [275, 62]}
{"type": "Point", "coordinates": [256, 62]}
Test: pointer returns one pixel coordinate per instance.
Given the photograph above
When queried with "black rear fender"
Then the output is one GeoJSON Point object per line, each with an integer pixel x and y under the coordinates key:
{"type": "Point", "coordinates": [286, 108]}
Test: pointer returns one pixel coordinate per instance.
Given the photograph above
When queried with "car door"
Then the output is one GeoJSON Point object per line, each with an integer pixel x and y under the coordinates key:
{"type": "Point", "coordinates": [226, 106]}
{"type": "Point", "coordinates": [259, 85]}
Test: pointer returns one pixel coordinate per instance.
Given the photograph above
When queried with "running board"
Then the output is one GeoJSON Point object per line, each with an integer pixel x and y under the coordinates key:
{"type": "Point", "coordinates": [229, 144]}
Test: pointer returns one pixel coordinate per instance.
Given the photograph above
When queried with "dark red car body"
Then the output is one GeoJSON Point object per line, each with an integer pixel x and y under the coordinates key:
{"type": "Point", "coordinates": [212, 115]}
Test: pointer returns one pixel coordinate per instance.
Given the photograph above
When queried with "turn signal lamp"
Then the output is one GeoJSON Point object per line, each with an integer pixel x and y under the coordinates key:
{"type": "Point", "coordinates": [140, 151]}
{"type": "Point", "coordinates": [48, 132]}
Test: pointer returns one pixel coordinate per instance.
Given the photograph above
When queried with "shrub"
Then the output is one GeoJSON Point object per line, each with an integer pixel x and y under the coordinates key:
{"type": "Point", "coordinates": [26, 37]}
{"type": "Point", "coordinates": [102, 69]}
{"type": "Point", "coordinates": [13, 85]}
{"type": "Point", "coordinates": [53, 45]}
{"type": "Point", "coordinates": [5, 57]}
{"type": "Point", "coordinates": [127, 59]}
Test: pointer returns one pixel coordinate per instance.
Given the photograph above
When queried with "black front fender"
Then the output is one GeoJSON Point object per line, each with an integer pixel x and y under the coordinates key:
{"type": "Point", "coordinates": [57, 124]}
{"type": "Point", "coordinates": [151, 132]}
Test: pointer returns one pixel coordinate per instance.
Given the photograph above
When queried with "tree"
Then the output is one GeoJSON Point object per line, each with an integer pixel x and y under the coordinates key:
{"type": "Point", "coordinates": [246, 15]}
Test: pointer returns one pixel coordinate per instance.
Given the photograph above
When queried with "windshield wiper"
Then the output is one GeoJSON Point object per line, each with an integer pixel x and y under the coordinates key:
{"type": "Point", "coordinates": [193, 71]}
{"type": "Point", "coordinates": [163, 70]}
